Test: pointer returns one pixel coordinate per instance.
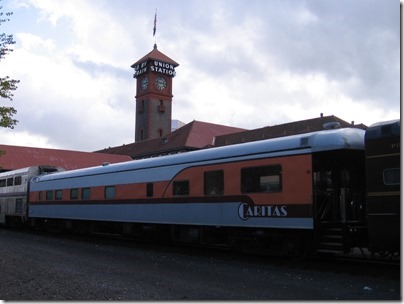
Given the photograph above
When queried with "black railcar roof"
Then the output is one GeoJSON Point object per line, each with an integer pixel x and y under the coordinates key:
{"type": "Point", "coordinates": [383, 129]}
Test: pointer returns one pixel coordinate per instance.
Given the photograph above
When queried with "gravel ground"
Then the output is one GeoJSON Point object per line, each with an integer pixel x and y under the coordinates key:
{"type": "Point", "coordinates": [50, 267]}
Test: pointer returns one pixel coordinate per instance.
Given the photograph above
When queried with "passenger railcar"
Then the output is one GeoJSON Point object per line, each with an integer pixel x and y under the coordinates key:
{"type": "Point", "coordinates": [288, 194]}
{"type": "Point", "coordinates": [14, 187]}
{"type": "Point", "coordinates": [382, 143]}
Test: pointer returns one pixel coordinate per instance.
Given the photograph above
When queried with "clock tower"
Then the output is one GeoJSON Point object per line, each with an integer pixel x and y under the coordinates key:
{"type": "Point", "coordinates": [154, 75]}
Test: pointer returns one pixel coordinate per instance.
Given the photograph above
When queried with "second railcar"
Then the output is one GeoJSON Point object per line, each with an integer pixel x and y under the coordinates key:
{"type": "Point", "coordinates": [382, 144]}
{"type": "Point", "coordinates": [14, 192]}
{"type": "Point", "coordinates": [286, 192]}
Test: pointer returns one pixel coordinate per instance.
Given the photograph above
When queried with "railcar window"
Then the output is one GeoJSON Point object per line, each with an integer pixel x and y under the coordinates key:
{"type": "Point", "coordinates": [10, 181]}
{"type": "Point", "coordinates": [2, 183]}
{"type": "Point", "coordinates": [109, 192]}
{"type": "Point", "coordinates": [58, 194]}
{"type": "Point", "coordinates": [181, 187]}
{"type": "Point", "coordinates": [261, 179]}
{"type": "Point", "coordinates": [74, 194]}
{"type": "Point", "coordinates": [214, 182]}
{"type": "Point", "coordinates": [40, 196]}
{"type": "Point", "coordinates": [17, 180]}
{"type": "Point", "coordinates": [149, 189]}
{"type": "Point", "coordinates": [391, 176]}
{"type": "Point", "coordinates": [85, 193]}
{"type": "Point", "coordinates": [49, 195]}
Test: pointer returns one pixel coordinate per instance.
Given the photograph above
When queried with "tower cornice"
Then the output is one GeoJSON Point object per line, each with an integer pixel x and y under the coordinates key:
{"type": "Point", "coordinates": [155, 54]}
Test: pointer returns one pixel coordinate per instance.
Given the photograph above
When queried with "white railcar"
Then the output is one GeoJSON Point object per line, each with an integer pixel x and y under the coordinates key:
{"type": "Point", "coordinates": [14, 187]}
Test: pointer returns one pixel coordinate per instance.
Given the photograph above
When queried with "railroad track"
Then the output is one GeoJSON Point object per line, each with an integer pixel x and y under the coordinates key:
{"type": "Point", "coordinates": [363, 258]}
{"type": "Point", "coordinates": [357, 258]}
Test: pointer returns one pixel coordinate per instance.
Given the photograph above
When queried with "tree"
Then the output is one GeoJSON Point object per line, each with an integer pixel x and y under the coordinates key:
{"type": "Point", "coordinates": [7, 85]}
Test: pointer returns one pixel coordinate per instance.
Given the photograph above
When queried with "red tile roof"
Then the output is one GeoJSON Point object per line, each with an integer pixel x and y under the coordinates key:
{"type": "Point", "coordinates": [17, 157]}
{"type": "Point", "coordinates": [156, 55]}
{"type": "Point", "coordinates": [296, 127]}
{"type": "Point", "coordinates": [193, 136]}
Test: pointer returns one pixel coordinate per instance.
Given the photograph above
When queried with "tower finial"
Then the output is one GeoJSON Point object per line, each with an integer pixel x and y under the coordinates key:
{"type": "Point", "coordinates": [155, 46]}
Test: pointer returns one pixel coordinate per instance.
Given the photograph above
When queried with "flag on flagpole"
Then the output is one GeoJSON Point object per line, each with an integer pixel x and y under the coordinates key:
{"type": "Point", "coordinates": [155, 21]}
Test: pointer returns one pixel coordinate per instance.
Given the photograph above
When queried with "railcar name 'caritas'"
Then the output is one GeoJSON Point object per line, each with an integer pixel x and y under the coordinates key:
{"type": "Point", "coordinates": [331, 190]}
{"type": "Point", "coordinates": [245, 211]}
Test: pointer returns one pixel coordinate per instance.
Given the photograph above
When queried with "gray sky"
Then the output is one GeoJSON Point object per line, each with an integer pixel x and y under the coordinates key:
{"type": "Point", "coordinates": [247, 64]}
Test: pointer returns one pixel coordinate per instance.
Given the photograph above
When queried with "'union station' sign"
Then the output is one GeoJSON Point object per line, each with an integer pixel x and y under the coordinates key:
{"type": "Point", "coordinates": [155, 66]}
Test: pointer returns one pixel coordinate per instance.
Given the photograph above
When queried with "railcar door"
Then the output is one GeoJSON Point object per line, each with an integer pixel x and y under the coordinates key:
{"type": "Point", "coordinates": [339, 191]}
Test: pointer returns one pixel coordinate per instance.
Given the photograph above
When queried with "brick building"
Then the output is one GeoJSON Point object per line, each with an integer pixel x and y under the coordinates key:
{"type": "Point", "coordinates": [17, 157]}
{"type": "Point", "coordinates": [154, 75]}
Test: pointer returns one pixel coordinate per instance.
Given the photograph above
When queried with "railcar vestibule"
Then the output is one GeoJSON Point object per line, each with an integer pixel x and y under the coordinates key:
{"type": "Point", "coordinates": [339, 187]}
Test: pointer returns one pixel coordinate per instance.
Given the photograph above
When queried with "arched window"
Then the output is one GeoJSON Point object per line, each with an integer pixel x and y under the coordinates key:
{"type": "Point", "coordinates": [161, 107]}
{"type": "Point", "coordinates": [141, 106]}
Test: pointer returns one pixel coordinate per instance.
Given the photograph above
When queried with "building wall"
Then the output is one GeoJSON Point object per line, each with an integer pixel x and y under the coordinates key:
{"type": "Point", "coordinates": [153, 118]}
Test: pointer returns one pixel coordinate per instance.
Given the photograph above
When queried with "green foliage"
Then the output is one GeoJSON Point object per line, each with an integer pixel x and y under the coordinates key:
{"type": "Point", "coordinates": [7, 85]}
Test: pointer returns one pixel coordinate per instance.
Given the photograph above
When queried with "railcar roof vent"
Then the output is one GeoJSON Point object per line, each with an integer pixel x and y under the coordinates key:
{"type": "Point", "coordinates": [331, 125]}
{"type": "Point", "coordinates": [105, 164]}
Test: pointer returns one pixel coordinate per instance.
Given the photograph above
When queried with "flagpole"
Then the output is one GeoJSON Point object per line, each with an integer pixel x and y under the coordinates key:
{"type": "Point", "coordinates": [155, 28]}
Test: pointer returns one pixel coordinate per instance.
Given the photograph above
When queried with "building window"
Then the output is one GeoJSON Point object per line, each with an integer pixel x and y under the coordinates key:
{"type": "Point", "coordinates": [85, 193]}
{"type": "Point", "coordinates": [109, 192]}
{"type": "Point", "coordinates": [149, 189]}
{"type": "Point", "coordinates": [160, 132]}
{"type": "Point", "coordinates": [261, 179]}
{"type": "Point", "coordinates": [141, 134]}
{"type": "Point", "coordinates": [74, 194]}
{"type": "Point", "coordinates": [391, 176]}
{"type": "Point", "coordinates": [214, 182]}
{"type": "Point", "coordinates": [161, 107]}
{"type": "Point", "coordinates": [49, 195]}
{"type": "Point", "coordinates": [141, 106]}
{"type": "Point", "coordinates": [181, 187]}
{"type": "Point", "coordinates": [17, 180]}
{"type": "Point", "coordinates": [58, 194]}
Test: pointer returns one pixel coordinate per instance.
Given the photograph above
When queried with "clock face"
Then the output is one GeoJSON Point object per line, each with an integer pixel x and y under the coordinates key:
{"type": "Point", "coordinates": [161, 83]}
{"type": "Point", "coordinates": [144, 83]}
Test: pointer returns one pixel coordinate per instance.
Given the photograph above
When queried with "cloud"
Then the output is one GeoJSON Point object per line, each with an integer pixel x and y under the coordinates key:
{"type": "Point", "coordinates": [85, 99]}
{"type": "Point", "coordinates": [245, 64]}
{"type": "Point", "coordinates": [95, 70]}
{"type": "Point", "coordinates": [355, 43]}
